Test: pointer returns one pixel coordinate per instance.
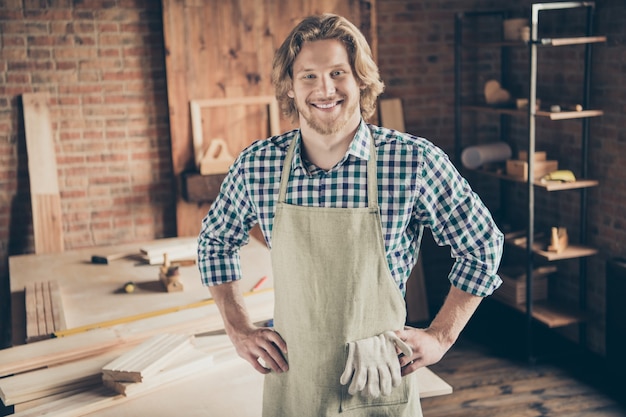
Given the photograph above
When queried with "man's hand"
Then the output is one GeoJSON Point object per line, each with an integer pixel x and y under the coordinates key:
{"type": "Point", "coordinates": [252, 343]}
{"type": "Point", "coordinates": [429, 345]}
{"type": "Point", "coordinates": [427, 349]}
{"type": "Point", "coordinates": [257, 344]}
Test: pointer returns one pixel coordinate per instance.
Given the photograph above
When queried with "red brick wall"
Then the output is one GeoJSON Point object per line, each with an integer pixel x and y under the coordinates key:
{"type": "Point", "coordinates": [103, 63]}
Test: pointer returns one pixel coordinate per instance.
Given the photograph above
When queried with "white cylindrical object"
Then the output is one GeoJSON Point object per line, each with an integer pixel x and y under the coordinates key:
{"type": "Point", "coordinates": [475, 156]}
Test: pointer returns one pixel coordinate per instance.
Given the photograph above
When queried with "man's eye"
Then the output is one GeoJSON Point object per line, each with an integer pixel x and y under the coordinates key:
{"type": "Point", "coordinates": [337, 73]}
{"type": "Point", "coordinates": [309, 77]}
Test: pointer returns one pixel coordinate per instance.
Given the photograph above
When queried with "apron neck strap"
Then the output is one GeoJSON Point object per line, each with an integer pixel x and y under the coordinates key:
{"type": "Point", "coordinates": [372, 173]}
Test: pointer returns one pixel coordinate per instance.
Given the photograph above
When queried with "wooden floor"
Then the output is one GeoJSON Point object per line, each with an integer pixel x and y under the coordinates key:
{"type": "Point", "coordinates": [488, 385]}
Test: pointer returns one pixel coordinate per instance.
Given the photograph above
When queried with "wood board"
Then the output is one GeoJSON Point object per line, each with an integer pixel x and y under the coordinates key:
{"type": "Point", "coordinates": [391, 114]}
{"type": "Point", "coordinates": [147, 359]}
{"type": "Point", "coordinates": [44, 309]}
{"type": "Point", "coordinates": [43, 176]}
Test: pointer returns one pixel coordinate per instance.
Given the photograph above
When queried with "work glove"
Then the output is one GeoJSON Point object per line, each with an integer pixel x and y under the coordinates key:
{"type": "Point", "coordinates": [373, 365]}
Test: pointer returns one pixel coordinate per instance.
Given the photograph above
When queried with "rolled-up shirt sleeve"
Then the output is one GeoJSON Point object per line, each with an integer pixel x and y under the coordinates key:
{"type": "Point", "coordinates": [457, 217]}
{"type": "Point", "coordinates": [225, 229]}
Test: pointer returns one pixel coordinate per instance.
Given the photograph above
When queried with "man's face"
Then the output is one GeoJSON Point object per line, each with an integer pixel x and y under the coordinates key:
{"type": "Point", "coordinates": [325, 91]}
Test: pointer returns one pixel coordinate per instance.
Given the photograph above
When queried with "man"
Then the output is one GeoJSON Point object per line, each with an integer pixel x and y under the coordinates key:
{"type": "Point", "coordinates": [342, 205]}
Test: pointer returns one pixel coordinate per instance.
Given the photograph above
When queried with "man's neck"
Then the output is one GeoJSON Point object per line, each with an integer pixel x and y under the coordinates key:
{"type": "Point", "coordinates": [325, 151]}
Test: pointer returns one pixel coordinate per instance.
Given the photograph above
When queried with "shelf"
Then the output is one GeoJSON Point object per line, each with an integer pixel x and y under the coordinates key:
{"type": "Point", "coordinates": [562, 115]}
{"type": "Point", "coordinates": [571, 252]}
{"type": "Point", "coordinates": [540, 307]}
{"type": "Point", "coordinates": [579, 40]}
{"type": "Point", "coordinates": [551, 315]}
{"type": "Point", "coordinates": [548, 186]}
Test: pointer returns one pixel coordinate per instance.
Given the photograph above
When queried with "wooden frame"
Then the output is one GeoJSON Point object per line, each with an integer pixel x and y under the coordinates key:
{"type": "Point", "coordinates": [196, 107]}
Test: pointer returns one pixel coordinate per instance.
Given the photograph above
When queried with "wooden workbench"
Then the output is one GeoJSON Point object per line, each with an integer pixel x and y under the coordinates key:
{"type": "Point", "coordinates": [91, 294]}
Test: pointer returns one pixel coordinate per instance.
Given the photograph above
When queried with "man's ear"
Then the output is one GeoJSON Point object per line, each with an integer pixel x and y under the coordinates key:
{"type": "Point", "coordinates": [290, 94]}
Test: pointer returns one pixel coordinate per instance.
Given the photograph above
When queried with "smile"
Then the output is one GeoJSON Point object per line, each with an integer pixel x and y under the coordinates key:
{"type": "Point", "coordinates": [327, 105]}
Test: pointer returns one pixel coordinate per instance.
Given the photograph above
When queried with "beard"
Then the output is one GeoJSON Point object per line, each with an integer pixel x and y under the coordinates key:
{"type": "Point", "coordinates": [329, 127]}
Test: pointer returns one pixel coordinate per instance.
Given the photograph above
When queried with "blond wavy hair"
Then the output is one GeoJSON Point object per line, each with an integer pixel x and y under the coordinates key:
{"type": "Point", "coordinates": [322, 27]}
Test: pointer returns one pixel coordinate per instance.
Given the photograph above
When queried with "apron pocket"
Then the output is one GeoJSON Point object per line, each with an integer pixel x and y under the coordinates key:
{"type": "Point", "coordinates": [399, 395]}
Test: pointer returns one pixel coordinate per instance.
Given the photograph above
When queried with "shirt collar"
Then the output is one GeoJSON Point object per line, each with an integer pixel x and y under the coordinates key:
{"type": "Point", "coordinates": [359, 147]}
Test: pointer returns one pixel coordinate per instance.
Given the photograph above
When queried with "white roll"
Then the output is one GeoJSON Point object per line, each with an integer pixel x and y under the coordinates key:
{"type": "Point", "coordinates": [475, 156]}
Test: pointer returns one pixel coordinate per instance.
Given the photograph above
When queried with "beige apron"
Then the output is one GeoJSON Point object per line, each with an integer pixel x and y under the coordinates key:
{"type": "Point", "coordinates": [332, 285]}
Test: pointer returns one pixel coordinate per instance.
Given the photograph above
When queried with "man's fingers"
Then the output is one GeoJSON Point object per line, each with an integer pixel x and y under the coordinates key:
{"type": "Point", "coordinates": [411, 366]}
{"type": "Point", "coordinates": [273, 357]}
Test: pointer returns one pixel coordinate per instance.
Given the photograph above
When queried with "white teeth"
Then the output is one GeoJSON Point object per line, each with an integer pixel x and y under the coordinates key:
{"type": "Point", "coordinates": [326, 106]}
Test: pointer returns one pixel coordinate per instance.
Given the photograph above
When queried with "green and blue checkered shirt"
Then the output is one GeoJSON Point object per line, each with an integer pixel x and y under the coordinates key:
{"type": "Point", "coordinates": [418, 187]}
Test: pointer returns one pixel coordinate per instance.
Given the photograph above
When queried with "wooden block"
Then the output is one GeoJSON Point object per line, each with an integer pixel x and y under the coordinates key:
{"type": "Point", "coordinates": [175, 250]}
{"type": "Point", "coordinates": [539, 156]}
{"type": "Point", "coordinates": [513, 288]}
{"type": "Point", "coordinates": [198, 188]}
{"type": "Point", "coordinates": [519, 169]}
{"type": "Point", "coordinates": [146, 359]}
{"type": "Point", "coordinates": [217, 159]}
{"type": "Point", "coordinates": [44, 310]}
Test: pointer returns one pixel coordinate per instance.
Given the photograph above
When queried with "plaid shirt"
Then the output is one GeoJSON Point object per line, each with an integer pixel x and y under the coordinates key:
{"type": "Point", "coordinates": [417, 186]}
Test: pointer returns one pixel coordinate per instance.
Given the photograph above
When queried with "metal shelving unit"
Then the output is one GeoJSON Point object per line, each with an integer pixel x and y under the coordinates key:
{"type": "Point", "coordinates": [549, 314]}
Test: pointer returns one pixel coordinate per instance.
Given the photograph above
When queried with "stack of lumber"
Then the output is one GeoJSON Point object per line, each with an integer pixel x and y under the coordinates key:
{"type": "Point", "coordinates": [63, 376]}
{"type": "Point", "coordinates": [159, 360]}
{"type": "Point", "coordinates": [179, 250]}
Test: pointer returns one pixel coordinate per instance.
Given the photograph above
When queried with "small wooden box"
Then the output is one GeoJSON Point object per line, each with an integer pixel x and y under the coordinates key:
{"type": "Point", "coordinates": [513, 288]}
{"type": "Point", "coordinates": [539, 156]}
{"type": "Point", "coordinates": [519, 169]}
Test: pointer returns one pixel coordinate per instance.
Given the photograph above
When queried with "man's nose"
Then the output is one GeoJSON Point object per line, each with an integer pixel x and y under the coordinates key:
{"type": "Point", "coordinates": [327, 85]}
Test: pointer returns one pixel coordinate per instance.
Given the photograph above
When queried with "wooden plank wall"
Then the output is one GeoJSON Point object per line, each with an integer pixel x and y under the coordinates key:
{"type": "Point", "coordinates": [219, 49]}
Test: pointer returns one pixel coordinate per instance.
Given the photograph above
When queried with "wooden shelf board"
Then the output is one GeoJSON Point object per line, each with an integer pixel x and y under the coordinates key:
{"type": "Point", "coordinates": [580, 40]}
{"type": "Point", "coordinates": [565, 115]}
{"type": "Point", "coordinates": [562, 115]}
{"type": "Point", "coordinates": [571, 252]}
{"type": "Point", "coordinates": [549, 186]}
{"type": "Point", "coordinates": [551, 315]}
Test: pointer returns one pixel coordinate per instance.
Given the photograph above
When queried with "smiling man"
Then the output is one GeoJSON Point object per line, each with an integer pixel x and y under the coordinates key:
{"type": "Point", "coordinates": [343, 204]}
